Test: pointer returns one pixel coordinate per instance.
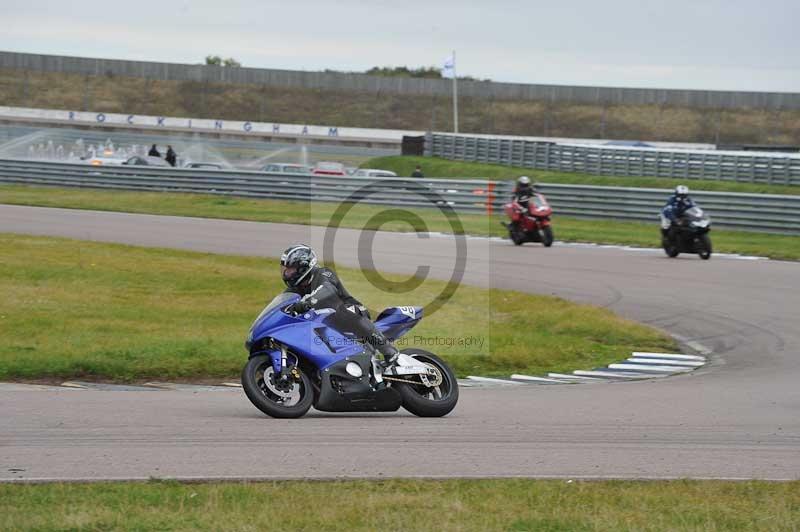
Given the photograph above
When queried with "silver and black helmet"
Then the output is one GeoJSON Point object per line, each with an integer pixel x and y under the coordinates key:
{"type": "Point", "coordinates": [297, 262]}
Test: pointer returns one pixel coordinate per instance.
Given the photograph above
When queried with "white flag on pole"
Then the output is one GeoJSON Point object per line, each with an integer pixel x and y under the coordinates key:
{"type": "Point", "coordinates": [449, 67]}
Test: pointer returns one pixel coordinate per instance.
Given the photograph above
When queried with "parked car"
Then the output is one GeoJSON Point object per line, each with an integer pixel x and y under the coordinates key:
{"type": "Point", "coordinates": [203, 166]}
{"type": "Point", "coordinates": [328, 168]}
{"type": "Point", "coordinates": [373, 172]}
{"type": "Point", "coordinates": [103, 160]}
{"type": "Point", "coordinates": [139, 160]}
{"type": "Point", "coordinates": [286, 168]}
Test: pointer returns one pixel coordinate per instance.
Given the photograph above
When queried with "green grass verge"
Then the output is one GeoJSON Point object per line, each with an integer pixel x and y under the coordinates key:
{"type": "Point", "coordinates": [444, 168]}
{"type": "Point", "coordinates": [210, 206]}
{"type": "Point", "coordinates": [479, 505]}
{"type": "Point", "coordinates": [76, 309]}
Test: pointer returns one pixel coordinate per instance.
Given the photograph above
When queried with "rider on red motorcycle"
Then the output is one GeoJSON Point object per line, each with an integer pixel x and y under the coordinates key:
{"type": "Point", "coordinates": [529, 215]}
{"type": "Point", "coordinates": [523, 191]}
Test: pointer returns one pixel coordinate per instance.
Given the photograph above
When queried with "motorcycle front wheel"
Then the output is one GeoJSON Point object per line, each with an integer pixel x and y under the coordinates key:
{"type": "Point", "coordinates": [434, 400]}
{"type": "Point", "coordinates": [669, 248]}
{"type": "Point", "coordinates": [516, 236]}
{"type": "Point", "coordinates": [704, 246]}
{"type": "Point", "coordinates": [547, 236]}
{"type": "Point", "coordinates": [270, 395]}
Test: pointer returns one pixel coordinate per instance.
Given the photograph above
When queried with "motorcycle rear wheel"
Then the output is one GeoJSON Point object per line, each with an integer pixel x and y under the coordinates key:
{"type": "Point", "coordinates": [424, 401]}
{"type": "Point", "coordinates": [259, 386]}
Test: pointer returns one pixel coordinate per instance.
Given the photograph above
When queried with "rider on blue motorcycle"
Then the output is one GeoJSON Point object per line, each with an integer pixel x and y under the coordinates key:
{"type": "Point", "coordinates": [679, 202]}
{"type": "Point", "coordinates": [321, 288]}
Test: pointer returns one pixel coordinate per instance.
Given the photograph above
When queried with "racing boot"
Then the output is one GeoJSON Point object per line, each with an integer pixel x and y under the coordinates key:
{"type": "Point", "coordinates": [384, 347]}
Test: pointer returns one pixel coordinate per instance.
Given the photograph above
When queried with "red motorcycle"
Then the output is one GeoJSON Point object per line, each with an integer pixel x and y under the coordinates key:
{"type": "Point", "coordinates": [531, 226]}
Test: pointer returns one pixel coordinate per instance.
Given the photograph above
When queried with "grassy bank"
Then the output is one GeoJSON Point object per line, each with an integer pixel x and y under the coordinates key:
{"type": "Point", "coordinates": [74, 309]}
{"type": "Point", "coordinates": [296, 105]}
{"type": "Point", "coordinates": [542, 505]}
{"type": "Point", "coordinates": [444, 168]}
{"type": "Point", "coordinates": [210, 206]}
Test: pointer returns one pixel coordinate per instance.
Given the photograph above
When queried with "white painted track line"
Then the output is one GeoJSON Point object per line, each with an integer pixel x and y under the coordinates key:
{"type": "Point", "coordinates": [668, 356]}
{"type": "Point", "coordinates": [572, 377]}
{"type": "Point", "coordinates": [490, 380]}
{"type": "Point", "coordinates": [73, 385]}
{"type": "Point", "coordinates": [667, 362]}
{"type": "Point", "coordinates": [542, 380]}
{"type": "Point", "coordinates": [700, 348]}
{"type": "Point", "coordinates": [646, 368]}
{"type": "Point", "coordinates": [611, 374]}
{"type": "Point", "coordinates": [22, 387]}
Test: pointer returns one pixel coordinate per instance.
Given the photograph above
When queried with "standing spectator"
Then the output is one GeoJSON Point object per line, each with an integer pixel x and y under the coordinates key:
{"type": "Point", "coordinates": [171, 157]}
{"type": "Point", "coordinates": [418, 172]}
{"type": "Point", "coordinates": [154, 152]}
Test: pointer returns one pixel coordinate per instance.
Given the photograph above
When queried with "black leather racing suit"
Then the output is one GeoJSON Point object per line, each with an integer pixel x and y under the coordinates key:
{"type": "Point", "coordinates": [522, 195]}
{"type": "Point", "coordinates": [324, 289]}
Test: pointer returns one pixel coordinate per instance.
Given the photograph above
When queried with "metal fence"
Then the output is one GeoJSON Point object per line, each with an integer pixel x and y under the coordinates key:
{"type": "Point", "coordinates": [746, 167]}
{"type": "Point", "coordinates": [410, 86]}
{"type": "Point", "coordinates": [752, 212]}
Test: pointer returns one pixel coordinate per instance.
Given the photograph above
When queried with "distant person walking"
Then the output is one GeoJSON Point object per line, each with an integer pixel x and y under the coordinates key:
{"type": "Point", "coordinates": [154, 152]}
{"type": "Point", "coordinates": [418, 172]}
{"type": "Point", "coordinates": [171, 157]}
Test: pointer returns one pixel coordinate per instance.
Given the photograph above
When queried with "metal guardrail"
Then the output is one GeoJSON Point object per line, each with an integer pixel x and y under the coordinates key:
{"type": "Point", "coordinates": [611, 160]}
{"type": "Point", "coordinates": [750, 212]}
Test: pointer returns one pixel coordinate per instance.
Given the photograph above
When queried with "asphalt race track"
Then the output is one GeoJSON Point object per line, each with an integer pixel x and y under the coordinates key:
{"type": "Point", "coordinates": [738, 417]}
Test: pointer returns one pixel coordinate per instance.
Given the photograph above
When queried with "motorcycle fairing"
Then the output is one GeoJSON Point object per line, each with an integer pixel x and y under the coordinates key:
{"type": "Point", "coordinates": [339, 391]}
{"type": "Point", "coordinates": [310, 336]}
{"type": "Point", "coordinates": [394, 322]}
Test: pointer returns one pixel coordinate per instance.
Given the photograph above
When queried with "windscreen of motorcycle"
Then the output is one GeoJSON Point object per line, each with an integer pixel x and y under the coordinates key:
{"type": "Point", "coordinates": [539, 201]}
{"type": "Point", "coordinates": [695, 213]}
{"type": "Point", "coordinates": [284, 298]}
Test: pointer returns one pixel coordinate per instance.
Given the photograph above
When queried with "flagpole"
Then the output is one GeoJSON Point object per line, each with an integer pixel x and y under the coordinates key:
{"type": "Point", "coordinates": [455, 95]}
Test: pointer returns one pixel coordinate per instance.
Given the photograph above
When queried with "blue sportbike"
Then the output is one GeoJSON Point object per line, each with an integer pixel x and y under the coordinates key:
{"type": "Point", "coordinates": [300, 361]}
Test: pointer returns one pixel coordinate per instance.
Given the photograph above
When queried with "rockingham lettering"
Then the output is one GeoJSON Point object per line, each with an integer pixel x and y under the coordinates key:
{"type": "Point", "coordinates": [219, 125]}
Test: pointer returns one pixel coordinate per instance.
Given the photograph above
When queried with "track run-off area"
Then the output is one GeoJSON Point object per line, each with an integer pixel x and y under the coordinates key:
{"type": "Point", "coordinates": [737, 417]}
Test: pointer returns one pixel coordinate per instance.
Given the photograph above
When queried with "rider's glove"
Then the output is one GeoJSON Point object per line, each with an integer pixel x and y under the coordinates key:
{"type": "Point", "coordinates": [299, 307]}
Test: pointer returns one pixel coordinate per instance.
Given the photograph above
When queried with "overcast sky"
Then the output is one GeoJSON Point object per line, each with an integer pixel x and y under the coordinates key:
{"type": "Point", "coordinates": [696, 44]}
